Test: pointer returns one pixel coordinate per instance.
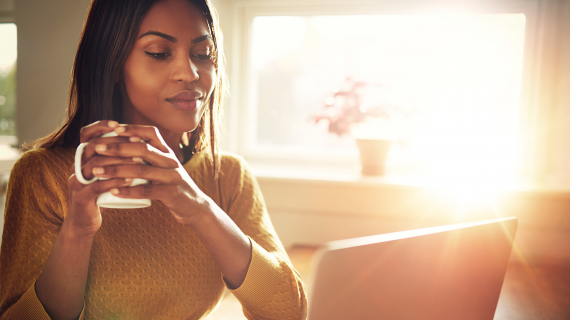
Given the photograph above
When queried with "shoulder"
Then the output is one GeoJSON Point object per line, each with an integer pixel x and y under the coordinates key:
{"type": "Point", "coordinates": [234, 177]}
{"type": "Point", "coordinates": [234, 170]}
{"type": "Point", "coordinates": [231, 163]}
{"type": "Point", "coordinates": [231, 166]}
{"type": "Point", "coordinates": [238, 184]}
{"type": "Point", "coordinates": [45, 165]}
{"type": "Point", "coordinates": [42, 157]}
{"type": "Point", "coordinates": [40, 177]}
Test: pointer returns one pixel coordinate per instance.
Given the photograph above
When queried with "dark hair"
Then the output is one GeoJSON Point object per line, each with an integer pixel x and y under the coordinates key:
{"type": "Point", "coordinates": [107, 38]}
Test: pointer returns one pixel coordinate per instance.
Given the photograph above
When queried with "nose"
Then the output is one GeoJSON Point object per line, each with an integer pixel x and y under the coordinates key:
{"type": "Point", "coordinates": [185, 70]}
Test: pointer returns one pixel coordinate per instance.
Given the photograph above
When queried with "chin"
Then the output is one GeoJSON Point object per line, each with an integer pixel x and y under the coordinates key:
{"type": "Point", "coordinates": [177, 122]}
{"type": "Point", "coordinates": [181, 127]}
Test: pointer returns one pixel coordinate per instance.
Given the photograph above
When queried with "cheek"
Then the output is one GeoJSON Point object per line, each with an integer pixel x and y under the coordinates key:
{"type": "Point", "coordinates": [142, 84]}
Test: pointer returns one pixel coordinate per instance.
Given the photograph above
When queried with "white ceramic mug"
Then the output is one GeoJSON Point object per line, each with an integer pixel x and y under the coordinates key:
{"type": "Point", "coordinates": [107, 199]}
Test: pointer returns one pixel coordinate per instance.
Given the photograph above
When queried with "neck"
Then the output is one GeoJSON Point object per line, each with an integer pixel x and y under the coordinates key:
{"type": "Point", "coordinates": [173, 140]}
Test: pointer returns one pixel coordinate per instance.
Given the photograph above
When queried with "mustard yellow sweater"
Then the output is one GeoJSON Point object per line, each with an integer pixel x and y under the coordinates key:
{"type": "Point", "coordinates": [144, 264]}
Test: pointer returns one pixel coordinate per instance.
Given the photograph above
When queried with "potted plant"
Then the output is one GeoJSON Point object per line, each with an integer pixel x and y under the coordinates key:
{"type": "Point", "coordinates": [364, 111]}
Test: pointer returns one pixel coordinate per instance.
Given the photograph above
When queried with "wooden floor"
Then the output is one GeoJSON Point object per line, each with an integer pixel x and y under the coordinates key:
{"type": "Point", "coordinates": [529, 292]}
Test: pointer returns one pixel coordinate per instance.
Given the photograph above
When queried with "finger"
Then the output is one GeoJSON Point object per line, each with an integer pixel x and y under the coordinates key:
{"type": "Point", "coordinates": [149, 134]}
{"type": "Point", "coordinates": [96, 129]}
{"type": "Point", "coordinates": [142, 171]}
{"type": "Point", "coordinates": [89, 150]}
{"type": "Point", "coordinates": [102, 161]}
{"type": "Point", "coordinates": [101, 186]}
{"type": "Point", "coordinates": [145, 191]}
{"type": "Point", "coordinates": [115, 139]}
{"type": "Point", "coordinates": [73, 183]}
{"type": "Point", "coordinates": [86, 193]}
{"type": "Point", "coordinates": [139, 150]}
{"type": "Point", "coordinates": [75, 192]}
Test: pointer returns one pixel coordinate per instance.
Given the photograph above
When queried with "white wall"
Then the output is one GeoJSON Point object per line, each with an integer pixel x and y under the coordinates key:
{"type": "Point", "coordinates": [310, 211]}
{"type": "Point", "coordinates": [48, 34]}
{"type": "Point", "coordinates": [559, 170]}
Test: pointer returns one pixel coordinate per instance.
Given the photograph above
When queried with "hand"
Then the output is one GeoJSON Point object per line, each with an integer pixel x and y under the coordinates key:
{"type": "Point", "coordinates": [171, 184]}
{"type": "Point", "coordinates": [227, 244]}
{"type": "Point", "coordinates": [84, 217]}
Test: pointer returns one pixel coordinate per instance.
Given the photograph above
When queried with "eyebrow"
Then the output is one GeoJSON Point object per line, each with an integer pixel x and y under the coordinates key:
{"type": "Point", "coordinates": [202, 38]}
{"type": "Point", "coordinates": [173, 39]}
{"type": "Point", "coordinates": [159, 34]}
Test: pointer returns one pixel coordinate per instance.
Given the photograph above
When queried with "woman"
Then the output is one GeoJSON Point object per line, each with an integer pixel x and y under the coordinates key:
{"type": "Point", "coordinates": [155, 66]}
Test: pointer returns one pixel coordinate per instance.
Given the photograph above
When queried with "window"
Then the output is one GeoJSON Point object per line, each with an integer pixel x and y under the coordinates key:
{"type": "Point", "coordinates": [456, 79]}
{"type": "Point", "coordinates": [8, 55]}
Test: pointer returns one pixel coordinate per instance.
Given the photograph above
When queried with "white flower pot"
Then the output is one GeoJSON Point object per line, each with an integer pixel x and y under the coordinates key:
{"type": "Point", "coordinates": [373, 154]}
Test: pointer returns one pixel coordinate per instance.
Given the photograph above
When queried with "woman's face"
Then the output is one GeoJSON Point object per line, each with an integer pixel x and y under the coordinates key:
{"type": "Point", "coordinates": [169, 74]}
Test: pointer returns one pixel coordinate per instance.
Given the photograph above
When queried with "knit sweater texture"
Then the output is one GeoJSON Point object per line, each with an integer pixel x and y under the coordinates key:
{"type": "Point", "coordinates": [143, 264]}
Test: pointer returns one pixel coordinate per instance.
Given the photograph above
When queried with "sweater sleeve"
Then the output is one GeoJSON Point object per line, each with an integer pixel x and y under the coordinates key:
{"type": "Point", "coordinates": [272, 289]}
{"type": "Point", "coordinates": [35, 202]}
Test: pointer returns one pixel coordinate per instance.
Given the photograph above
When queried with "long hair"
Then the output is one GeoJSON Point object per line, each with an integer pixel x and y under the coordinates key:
{"type": "Point", "coordinates": [108, 36]}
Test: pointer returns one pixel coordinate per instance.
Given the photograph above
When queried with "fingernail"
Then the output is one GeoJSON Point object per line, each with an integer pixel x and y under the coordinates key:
{"type": "Point", "coordinates": [137, 159]}
{"type": "Point", "coordinates": [135, 139]}
{"type": "Point", "coordinates": [128, 180]}
{"type": "Point", "coordinates": [100, 147]}
{"type": "Point", "coordinates": [112, 124]}
{"type": "Point", "coordinates": [120, 129]}
{"type": "Point", "coordinates": [115, 191]}
{"type": "Point", "coordinates": [98, 170]}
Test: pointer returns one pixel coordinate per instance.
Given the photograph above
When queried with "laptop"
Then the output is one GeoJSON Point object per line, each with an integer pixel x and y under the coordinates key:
{"type": "Point", "coordinates": [439, 273]}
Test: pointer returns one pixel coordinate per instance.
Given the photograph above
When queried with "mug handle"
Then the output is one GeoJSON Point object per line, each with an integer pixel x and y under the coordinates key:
{"type": "Point", "coordinates": [78, 174]}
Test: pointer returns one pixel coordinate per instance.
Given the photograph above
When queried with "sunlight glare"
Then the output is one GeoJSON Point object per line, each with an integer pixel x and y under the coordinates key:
{"type": "Point", "coordinates": [269, 44]}
{"type": "Point", "coordinates": [459, 74]}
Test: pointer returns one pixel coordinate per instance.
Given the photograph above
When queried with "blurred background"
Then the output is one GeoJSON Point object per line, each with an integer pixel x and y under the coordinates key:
{"type": "Point", "coordinates": [474, 97]}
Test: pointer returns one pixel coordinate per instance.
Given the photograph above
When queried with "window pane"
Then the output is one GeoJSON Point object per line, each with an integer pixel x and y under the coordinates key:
{"type": "Point", "coordinates": [8, 54]}
{"type": "Point", "coordinates": [455, 81]}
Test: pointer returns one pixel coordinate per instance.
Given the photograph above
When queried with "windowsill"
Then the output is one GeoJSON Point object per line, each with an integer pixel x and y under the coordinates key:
{"type": "Point", "coordinates": [350, 176]}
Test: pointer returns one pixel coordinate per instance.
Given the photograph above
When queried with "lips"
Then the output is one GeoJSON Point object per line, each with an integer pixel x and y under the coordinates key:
{"type": "Point", "coordinates": [186, 100]}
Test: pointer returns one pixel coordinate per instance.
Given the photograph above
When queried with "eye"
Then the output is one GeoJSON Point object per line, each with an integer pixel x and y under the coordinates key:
{"type": "Point", "coordinates": [158, 55]}
{"type": "Point", "coordinates": [203, 54]}
{"type": "Point", "coordinates": [202, 57]}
